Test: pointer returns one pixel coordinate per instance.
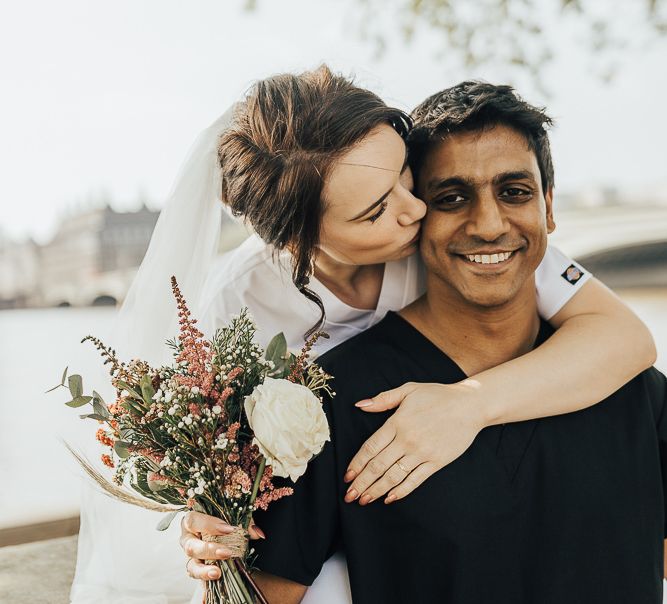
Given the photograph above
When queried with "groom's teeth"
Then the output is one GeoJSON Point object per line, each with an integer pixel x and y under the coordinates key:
{"type": "Point", "coordinates": [489, 258]}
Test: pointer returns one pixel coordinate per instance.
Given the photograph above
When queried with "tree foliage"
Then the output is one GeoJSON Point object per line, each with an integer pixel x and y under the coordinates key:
{"type": "Point", "coordinates": [525, 34]}
{"type": "Point", "coordinates": [521, 35]}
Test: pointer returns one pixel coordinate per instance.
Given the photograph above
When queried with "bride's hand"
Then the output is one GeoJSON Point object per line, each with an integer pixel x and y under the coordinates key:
{"type": "Point", "coordinates": [193, 525]}
{"type": "Point", "coordinates": [433, 425]}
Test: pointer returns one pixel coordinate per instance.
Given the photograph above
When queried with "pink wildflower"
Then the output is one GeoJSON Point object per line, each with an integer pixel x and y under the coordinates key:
{"type": "Point", "coordinates": [226, 393]}
{"type": "Point", "coordinates": [233, 374]}
{"type": "Point", "coordinates": [262, 502]}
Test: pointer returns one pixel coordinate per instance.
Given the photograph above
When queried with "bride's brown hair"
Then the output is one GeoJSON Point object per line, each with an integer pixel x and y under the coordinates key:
{"type": "Point", "coordinates": [276, 155]}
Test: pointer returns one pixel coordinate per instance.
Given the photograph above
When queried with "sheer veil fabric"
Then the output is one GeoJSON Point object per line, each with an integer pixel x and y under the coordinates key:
{"type": "Point", "coordinates": [122, 558]}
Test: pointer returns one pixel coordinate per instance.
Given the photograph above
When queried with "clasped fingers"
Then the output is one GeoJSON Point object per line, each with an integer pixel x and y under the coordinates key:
{"type": "Point", "coordinates": [204, 550]}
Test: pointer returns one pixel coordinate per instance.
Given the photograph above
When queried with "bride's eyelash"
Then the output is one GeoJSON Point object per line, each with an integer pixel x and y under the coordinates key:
{"type": "Point", "coordinates": [374, 217]}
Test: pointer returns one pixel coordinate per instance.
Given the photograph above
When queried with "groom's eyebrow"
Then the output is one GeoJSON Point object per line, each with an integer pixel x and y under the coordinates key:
{"type": "Point", "coordinates": [436, 184]}
{"type": "Point", "coordinates": [504, 177]}
{"type": "Point", "coordinates": [460, 181]}
{"type": "Point", "coordinates": [385, 195]}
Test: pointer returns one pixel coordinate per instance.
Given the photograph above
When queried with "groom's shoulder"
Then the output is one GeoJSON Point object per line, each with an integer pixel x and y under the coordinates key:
{"type": "Point", "coordinates": [652, 384]}
{"type": "Point", "coordinates": [372, 348]}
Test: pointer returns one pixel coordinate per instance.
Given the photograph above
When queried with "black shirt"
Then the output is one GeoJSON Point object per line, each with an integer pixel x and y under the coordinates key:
{"type": "Point", "coordinates": [563, 510]}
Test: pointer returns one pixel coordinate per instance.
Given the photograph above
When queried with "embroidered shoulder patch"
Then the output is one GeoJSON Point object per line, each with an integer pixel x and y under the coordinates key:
{"type": "Point", "coordinates": [572, 274]}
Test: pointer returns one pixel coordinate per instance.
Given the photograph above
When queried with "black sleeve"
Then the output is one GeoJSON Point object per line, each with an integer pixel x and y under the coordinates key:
{"type": "Point", "coordinates": [658, 387]}
{"type": "Point", "coordinates": [301, 529]}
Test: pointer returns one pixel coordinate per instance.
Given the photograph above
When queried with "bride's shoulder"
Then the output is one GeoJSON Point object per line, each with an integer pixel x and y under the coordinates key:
{"type": "Point", "coordinates": [253, 258]}
{"type": "Point", "coordinates": [249, 271]}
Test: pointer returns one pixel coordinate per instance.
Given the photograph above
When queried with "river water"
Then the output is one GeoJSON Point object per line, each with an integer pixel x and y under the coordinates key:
{"type": "Point", "coordinates": [39, 479]}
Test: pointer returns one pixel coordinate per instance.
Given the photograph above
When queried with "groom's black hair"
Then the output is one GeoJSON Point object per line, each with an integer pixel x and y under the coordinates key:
{"type": "Point", "coordinates": [476, 106]}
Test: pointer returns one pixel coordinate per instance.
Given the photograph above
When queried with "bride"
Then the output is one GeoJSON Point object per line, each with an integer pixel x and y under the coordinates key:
{"type": "Point", "coordinates": [318, 168]}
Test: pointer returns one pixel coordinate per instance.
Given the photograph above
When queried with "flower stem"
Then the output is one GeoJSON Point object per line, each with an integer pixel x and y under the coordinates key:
{"type": "Point", "coordinates": [255, 487]}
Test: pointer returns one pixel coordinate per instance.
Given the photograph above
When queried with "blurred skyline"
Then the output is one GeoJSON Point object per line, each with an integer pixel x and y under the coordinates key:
{"type": "Point", "coordinates": [103, 100]}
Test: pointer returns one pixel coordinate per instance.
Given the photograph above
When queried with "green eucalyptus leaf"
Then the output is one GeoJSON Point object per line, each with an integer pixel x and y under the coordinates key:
{"type": "Point", "coordinates": [98, 396]}
{"type": "Point", "coordinates": [75, 384]}
{"type": "Point", "coordinates": [164, 524]}
{"type": "Point", "coordinates": [100, 408]}
{"type": "Point", "coordinates": [147, 389]}
{"type": "Point", "coordinates": [121, 449]}
{"type": "Point", "coordinates": [171, 496]}
{"type": "Point", "coordinates": [79, 401]}
{"type": "Point", "coordinates": [130, 389]}
{"type": "Point", "coordinates": [140, 484]}
{"type": "Point", "coordinates": [133, 406]}
{"type": "Point", "coordinates": [157, 485]}
{"type": "Point", "coordinates": [276, 349]}
{"type": "Point", "coordinates": [62, 380]}
{"type": "Point", "coordinates": [151, 464]}
{"type": "Point", "coordinates": [100, 418]}
{"type": "Point", "coordinates": [126, 433]}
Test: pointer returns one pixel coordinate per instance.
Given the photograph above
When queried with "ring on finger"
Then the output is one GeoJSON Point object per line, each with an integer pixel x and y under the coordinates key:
{"type": "Point", "coordinates": [402, 467]}
{"type": "Point", "coordinates": [187, 564]}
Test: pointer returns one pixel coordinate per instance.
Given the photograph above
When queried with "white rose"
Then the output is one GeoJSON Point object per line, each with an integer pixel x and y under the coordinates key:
{"type": "Point", "coordinates": [289, 423]}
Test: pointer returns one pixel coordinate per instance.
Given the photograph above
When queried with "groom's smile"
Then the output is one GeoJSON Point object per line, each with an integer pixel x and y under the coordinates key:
{"type": "Point", "coordinates": [486, 229]}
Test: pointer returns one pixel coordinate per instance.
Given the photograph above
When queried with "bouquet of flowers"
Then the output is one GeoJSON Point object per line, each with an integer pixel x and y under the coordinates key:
{"type": "Point", "coordinates": [209, 432]}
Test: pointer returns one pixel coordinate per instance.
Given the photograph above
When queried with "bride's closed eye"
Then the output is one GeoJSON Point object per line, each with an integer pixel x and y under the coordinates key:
{"type": "Point", "coordinates": [374, 217]}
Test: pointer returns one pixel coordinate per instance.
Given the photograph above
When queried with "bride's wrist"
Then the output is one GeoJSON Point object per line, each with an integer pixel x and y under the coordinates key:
{"type": "Point", "coordinates": [483, 410]}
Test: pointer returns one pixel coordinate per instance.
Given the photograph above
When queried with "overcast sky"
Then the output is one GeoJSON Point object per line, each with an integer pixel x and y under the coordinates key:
{"type": "Point", "coordinates": [102, 99]}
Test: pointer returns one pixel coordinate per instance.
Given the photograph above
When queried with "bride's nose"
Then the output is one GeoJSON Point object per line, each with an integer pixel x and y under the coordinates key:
{"type": "Point", "coordinates": [413, 209]}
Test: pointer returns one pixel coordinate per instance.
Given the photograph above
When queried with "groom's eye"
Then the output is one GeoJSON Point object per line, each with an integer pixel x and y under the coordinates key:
{"type": "Point", "coordinates": [451, 201]}
{"type": "Point", "coordinates": [516, 194]}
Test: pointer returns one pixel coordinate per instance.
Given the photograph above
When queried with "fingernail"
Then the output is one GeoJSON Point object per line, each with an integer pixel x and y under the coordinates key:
{"type": "Point", "coordinates": [213, 573]}
{"type": "Point", "coordinates": [366, 499]}
{"type": "Point", "coordinates": [259, 531]}
{"type": "Point", "coordinates": [390, 499]}
{"type": "Point", "coordinates": [367, 403]}
{"type": "Point", "coordinates": [220, 552]}
{"type": "Point", "coordinates": [349, 476]}
{"type": "Point", "coordinates": [351, 495]}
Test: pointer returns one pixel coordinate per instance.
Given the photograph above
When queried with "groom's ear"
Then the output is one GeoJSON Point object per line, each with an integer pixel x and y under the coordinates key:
{"type": "Point", "coordinates": [549, 199]}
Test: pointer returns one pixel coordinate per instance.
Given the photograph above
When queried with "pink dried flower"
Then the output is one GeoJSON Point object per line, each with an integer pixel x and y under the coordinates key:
{"type": "Point", "coordinates": [155, 477]}
{"type": "Point", "coordinates": [225, 394]}
{"type": "Point", "coordinates": [233, 430]}
{"type": "Point", "coordinates": [262, 502]}
{"type": "Point", "coordinates": [233, 374]}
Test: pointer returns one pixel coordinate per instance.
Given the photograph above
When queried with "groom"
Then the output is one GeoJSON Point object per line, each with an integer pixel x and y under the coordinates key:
{"type": "Point", "coordinates": [563, 509]}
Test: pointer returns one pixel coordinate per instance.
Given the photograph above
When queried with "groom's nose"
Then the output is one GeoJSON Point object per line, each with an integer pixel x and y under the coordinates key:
{"type": "Point", "coordinates": [486, 218]}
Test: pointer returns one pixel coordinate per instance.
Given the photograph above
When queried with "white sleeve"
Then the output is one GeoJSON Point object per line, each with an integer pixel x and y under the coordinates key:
{"type": "Point", "coordinates": [220, 300]}
{"type": "Point", "coordinates": [557, 279]}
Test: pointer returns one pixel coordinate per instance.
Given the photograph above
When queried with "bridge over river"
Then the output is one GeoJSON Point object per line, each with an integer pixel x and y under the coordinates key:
{"type": "Point", "coordinates": [624, 246]}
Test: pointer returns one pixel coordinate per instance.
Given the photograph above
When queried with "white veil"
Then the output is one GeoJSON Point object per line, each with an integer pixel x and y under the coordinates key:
{"type": "Point", "coordinates": [122, 558]}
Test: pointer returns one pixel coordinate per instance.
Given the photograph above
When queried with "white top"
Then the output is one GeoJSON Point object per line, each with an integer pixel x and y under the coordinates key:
{"type": "Point", "coordinates": [253, 276]}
